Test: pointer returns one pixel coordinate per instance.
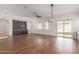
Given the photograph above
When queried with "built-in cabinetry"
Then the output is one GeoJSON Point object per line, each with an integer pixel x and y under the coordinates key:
{"type": "Point", "coordinates": [19, 27]}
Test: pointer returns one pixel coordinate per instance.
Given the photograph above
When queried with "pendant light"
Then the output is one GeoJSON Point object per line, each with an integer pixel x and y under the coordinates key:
{"type": "Point", "coordinates": [51, 18]}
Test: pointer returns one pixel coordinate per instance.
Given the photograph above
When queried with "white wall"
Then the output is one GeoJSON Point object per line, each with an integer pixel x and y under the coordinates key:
{"type": "Point", "coordinates": [52, 28]}
{"type": "Point", "coordinates": [8, 30]}
{"type": "Point", "coordinates": [75, 27]}
{"type": "Point", "coordinates": [3, 27]}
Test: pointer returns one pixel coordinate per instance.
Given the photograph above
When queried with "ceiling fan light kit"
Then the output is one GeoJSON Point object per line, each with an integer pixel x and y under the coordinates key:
{"type": "Point", "coordinates": [37, 15]}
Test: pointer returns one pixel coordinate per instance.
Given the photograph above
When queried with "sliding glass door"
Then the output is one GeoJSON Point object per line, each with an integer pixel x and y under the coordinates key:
{"type": "Point", "coordinates": [64, 28]}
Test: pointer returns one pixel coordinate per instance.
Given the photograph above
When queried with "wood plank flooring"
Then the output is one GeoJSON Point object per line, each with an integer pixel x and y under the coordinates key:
{"type": "Point", "coordinates": [38, 44]}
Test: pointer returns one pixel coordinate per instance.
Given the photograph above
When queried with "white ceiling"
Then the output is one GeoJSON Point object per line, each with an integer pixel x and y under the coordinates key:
{"type": "Point", "coordinates": [42, 9]}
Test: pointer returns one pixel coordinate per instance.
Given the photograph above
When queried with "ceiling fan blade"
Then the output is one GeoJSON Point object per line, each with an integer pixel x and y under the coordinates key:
{"type": "Point", "coordinates": [39, 16]}
{"type": "Point", "coordinates": [36, 15]}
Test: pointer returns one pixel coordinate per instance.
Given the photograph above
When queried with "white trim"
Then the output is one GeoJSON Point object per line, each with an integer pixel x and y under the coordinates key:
{"type": "Point", "coordinates": [2, 37]}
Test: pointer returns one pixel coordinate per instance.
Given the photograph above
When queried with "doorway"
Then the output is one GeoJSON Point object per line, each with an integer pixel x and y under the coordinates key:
{"type": "Point", "coordinates": [3, 28]}
{"type": "Point", "coordinates": [64, 28]}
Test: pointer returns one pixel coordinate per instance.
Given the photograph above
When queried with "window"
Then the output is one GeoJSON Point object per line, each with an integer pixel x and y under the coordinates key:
{"type": "Point", "coordinates": [35, 25]}
{"type": "Point", "coordinates": [39, 26]}
{"type": "Point", "coordinates": [46, 25]}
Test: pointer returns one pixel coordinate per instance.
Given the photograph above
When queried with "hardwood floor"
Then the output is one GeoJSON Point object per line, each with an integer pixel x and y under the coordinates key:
{"type": "Point", "coordinates": [38, 44]}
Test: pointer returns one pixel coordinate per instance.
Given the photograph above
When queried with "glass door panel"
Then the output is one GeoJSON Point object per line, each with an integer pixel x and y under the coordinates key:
{"type": "Point", "coordinates": [60, 28]}
{"type": "Point", "coordinates": [64, 28]}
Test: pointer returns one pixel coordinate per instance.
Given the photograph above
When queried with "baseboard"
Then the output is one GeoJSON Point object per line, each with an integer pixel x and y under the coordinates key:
{"type": "Point", "coordinates": [49, 35]}
{"type": "Point", "coordinates": [42, 34]}
{"type": "Point", "coordinates": [4, 52]}
{"type": "Point", "coordinates": [2, 37]}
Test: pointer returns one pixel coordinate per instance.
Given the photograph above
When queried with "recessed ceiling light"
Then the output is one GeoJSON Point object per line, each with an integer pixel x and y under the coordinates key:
{"type": "Point", "coordinates": [25, 7]}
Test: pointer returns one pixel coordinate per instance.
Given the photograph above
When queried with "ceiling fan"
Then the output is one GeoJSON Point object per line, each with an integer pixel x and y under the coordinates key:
{"type": "Point", "coordinates": [35, 14]}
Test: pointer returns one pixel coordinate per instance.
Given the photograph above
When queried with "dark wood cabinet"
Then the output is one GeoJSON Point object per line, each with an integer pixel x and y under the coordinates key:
{"type": "Point", "coordinates": [19, 27]}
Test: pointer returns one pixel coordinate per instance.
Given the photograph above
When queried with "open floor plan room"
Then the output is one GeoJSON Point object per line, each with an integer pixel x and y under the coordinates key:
{"type": "Point", "coordinates": [39, 29]}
